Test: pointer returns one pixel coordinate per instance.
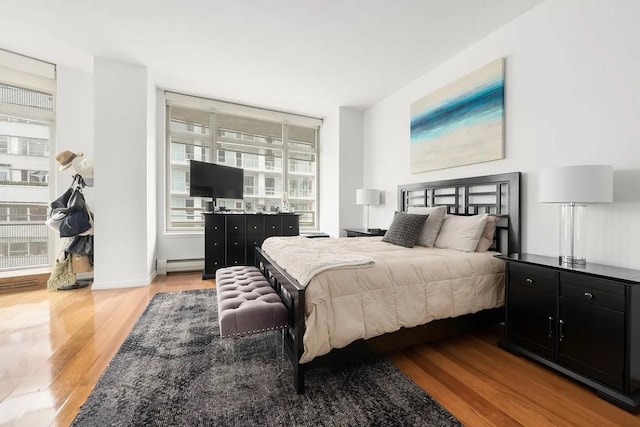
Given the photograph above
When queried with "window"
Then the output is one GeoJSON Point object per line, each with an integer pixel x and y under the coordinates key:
{"type": "Point", "coordinates": [27, 117]}
{"type": "Point", "coordinates": [4, 144]}
{"type": "Point", "coordinates": [278, 152]}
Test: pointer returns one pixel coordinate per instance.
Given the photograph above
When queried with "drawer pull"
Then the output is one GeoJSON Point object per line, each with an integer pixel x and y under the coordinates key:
{"type": "Point", "coordinates": [550, 326]}
{"type": "Point", "coordinates": [235, 243]}
{"type": "Point", "coordinates": [273, 226]}
{"type": "Point", "coordinates": [215, 244]}
{"type": "Point", "coordinates": [255, 227]}
{"type": "Point", "coordinates": [235, 228]}
{"type": "Point", "coordinates": [588, 295]}
{"type": "Point", "coordinates": [561, 329]}
{"type": "Point", "coordinates": [529, 281]}
{"type": "Point", "coordinates": [291, 226]}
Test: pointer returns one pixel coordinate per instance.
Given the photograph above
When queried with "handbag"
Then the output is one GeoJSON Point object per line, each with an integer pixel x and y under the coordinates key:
{"type": "Point", "coordinates": [62, 275]}
{"type": "Point", "coordinates": [74, 218]}
{"type": "Point", "coordinates": [61, 201]}
{"type": "Point", "coordinates": [80, 263]}
{"type": "Point", "coordinates": [76, 222]}
{"type": "Point", "coordinates": [80, 245]}
{"type": "Point", "coordinates": [55, 218]}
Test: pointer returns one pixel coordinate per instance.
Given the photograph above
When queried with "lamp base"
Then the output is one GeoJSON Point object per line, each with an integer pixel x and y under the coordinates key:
{"type": "Point", "coordinates": [572, 261]}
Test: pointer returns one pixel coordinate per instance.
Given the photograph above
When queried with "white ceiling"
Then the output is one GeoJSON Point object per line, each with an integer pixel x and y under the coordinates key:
{"type": "Point", "coordinates": [307, 56]}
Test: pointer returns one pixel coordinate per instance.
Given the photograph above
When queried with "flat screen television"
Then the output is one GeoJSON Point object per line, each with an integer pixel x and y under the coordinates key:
{"type": "Point", "coordinates": [215, 181]}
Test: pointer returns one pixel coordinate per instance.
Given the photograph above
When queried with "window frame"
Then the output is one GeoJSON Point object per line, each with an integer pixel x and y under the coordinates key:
{"type": "Point", "coordinates": [214, 142]}
{"type": "Point", "coordinates": [24, 73]}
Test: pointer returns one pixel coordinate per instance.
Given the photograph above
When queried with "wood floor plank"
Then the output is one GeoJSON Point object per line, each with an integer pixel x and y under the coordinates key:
{"type": "Point", "coordinates": [462, 409]}
{"type": "Point", "coordinates": [66, 339]}
{"type": "Point", "coordinates": [564, 398]}
{"type": "Point", "coordinates": [455, 377]}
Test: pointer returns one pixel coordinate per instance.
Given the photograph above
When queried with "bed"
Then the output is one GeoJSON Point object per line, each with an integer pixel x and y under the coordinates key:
{"type": "Point", "coordinates": [339, 313]}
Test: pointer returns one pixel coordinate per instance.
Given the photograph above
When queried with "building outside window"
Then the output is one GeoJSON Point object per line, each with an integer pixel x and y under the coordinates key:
{"type": "Point", "coordinates": [27, 116]}
{"type": "Point", "coordinates": [260, 141]}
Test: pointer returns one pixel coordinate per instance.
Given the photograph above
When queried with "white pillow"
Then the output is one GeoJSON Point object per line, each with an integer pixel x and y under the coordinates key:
{"type": "Point", "coordinates": [461, 232]}
{"type": "Point", "coordinates": [431, 227]}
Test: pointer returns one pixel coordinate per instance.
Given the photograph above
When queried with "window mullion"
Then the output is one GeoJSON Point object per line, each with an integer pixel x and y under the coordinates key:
{"type": "Point", "coordinates": [215, 143]}
{"type": "Point", "coordinates": [285, 159]}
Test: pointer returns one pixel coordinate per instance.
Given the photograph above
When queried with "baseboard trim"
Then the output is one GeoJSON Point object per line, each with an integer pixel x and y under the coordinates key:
{"type": "Point", "coordinates": [164, 266]}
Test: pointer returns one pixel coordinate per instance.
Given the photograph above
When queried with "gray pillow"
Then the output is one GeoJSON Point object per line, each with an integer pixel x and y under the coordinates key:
{"type": "Point", "coordinates": [427, 237]}
{"type": "Point", "coordinates": [404, 229]}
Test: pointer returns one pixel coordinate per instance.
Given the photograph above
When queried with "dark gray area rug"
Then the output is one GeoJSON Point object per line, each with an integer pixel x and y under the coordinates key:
{"type": "Point", "coordinates": [175, 370]}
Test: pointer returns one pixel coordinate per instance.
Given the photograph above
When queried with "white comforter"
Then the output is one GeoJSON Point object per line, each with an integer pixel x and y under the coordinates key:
{"type": "Point", "coordinates": [404, 288]}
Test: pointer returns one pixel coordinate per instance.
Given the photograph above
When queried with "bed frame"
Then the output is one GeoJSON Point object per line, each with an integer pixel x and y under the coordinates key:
{"type": "Point", "coordinates": [495, 194]}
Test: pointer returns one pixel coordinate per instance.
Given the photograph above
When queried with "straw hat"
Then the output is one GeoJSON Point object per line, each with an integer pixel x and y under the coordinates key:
{"type": "Point", "coordinates": [65, 159]}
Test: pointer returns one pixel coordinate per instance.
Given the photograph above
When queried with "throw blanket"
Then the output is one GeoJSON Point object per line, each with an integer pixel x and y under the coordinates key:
{"type": "Point", "coordinates": [303, 258]}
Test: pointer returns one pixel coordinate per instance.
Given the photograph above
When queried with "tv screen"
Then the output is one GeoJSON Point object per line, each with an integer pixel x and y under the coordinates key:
{"type": "Point", "coordinates": [216, 181]}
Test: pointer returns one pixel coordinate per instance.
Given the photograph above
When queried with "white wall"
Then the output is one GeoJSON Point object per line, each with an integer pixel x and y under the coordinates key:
{"type": "Point", "coordinates": [151, 181]}
{"type": "Point", "coordinates": [329, 174]}
{"type": "Point", "coordinates": [571, 98]}
{"type": "Point", "coordinates": [121, 175]}
{"type": "Point", "coordinates": [351, 172]}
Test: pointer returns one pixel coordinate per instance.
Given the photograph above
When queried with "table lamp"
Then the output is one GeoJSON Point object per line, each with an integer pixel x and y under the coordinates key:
{"type": "Point", "coordinates": [574, 187]}
{"type": "Point", "coordinates": [367, 197]}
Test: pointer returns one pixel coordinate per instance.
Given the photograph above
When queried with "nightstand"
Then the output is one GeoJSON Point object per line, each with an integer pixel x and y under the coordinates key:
{"type": "Point", "coordinates": [362, 232]}
{"type": "Point", "coordinates": [583, 322]}
{"type": "Point", "coordinates": [314, 234]}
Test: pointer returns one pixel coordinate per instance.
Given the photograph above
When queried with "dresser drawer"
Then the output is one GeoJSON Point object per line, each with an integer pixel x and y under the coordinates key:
{"type": "Point", "coordinates": [235, 225]}
{"type": "Point", "coordinates": [542, 279]}
{"type": "Point", "coordinates": [214, 225]}
{"type": "Point", "coordinates": [600, 292]}
{"type": "Point", "coordinates": [290, 225]}
{"type": "Point", "coordinates": [272, 226]}
{"type": "Point", "coordinates": [255, 224]}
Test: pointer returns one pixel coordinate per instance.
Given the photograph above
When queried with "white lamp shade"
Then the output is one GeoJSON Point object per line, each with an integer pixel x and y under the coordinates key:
{"type": "Point", "coordinates": [366, 196]}
{"type": "Point", "coordinates": [576, 184]}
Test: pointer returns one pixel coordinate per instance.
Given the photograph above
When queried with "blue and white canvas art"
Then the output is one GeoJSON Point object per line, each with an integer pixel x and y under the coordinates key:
{"type": "Point", "coordinates": [460, 124]}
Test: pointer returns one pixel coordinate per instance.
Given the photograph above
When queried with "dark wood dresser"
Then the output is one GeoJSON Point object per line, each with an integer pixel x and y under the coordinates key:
{"type": "Point", "coordinates": [583, 322]}
{"type": "Point", "coordinates": [231, 239]}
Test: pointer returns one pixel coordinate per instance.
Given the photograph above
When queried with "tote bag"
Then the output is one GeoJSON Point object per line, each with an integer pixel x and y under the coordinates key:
{"type": "Point", "coordinates": [62, 275]}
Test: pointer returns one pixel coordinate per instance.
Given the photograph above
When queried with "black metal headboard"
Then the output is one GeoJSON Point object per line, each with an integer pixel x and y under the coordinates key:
{"type": "Point", "coordinates": [494, 194]}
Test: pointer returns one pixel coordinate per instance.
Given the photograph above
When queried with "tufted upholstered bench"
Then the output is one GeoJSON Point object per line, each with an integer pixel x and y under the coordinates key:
{"type": "Point", "coordinates": [247, 304]}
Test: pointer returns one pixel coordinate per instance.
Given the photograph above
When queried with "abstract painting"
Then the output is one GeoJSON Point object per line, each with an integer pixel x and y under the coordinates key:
{"type": "Point", "coordinates": [460, 124]}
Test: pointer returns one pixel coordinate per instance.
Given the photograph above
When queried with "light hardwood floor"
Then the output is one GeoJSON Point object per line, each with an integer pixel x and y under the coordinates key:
{"type": "Point", "coordinates": [55, 345]}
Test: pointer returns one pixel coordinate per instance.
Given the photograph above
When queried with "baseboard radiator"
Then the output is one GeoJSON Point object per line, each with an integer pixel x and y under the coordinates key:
{"type": "Point", "coordinates": [39, 280]}
{"type": "Point", "coordinates": [164, 266]}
